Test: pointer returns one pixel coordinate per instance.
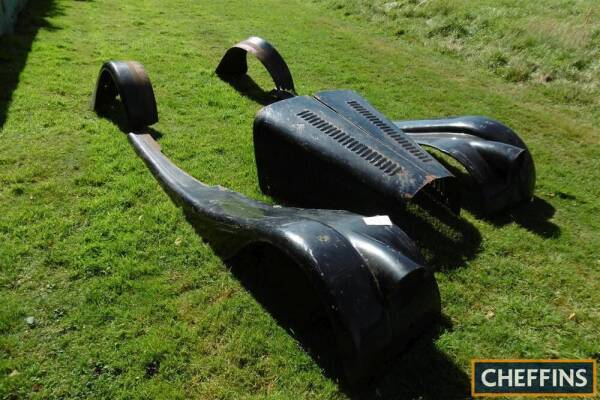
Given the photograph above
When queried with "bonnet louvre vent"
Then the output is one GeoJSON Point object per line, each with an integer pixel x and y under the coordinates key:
{"type": "Point", "coordinates": [373, 157]}
{"type": "Point", "coordinates": [390, 131]}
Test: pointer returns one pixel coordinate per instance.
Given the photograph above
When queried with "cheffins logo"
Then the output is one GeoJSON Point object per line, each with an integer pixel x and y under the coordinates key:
{"type": "Point", "coordinates": [565, 378]}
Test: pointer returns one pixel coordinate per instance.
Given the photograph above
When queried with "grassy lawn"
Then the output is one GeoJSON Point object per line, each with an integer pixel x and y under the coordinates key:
{"type": "Point", "coordinates": [126, 299]}
{"type": "Point", "coordinates": [554, 44]}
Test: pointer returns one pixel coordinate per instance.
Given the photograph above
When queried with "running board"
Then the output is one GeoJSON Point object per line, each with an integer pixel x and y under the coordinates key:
{"type": "Point", "coordinates": [367, 274]}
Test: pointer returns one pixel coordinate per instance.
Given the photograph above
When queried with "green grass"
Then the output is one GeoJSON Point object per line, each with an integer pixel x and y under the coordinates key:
{"type": "Point", "coordinates": [128, 300]}
{"type": "Point", "coordinates": [554, 45]}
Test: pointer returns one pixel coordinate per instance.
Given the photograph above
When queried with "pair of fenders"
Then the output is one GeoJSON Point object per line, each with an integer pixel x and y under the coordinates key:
{"type": "Point", "coordinates": [336, 151]}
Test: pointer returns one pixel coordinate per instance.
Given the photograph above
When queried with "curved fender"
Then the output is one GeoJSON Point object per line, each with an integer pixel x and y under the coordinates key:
{"type": "Point", "coordinates": [129, 80]}
{"type": "Point", "coordinates": [493, 154]}
{"type": "Point", "coordinates": [368, 276]}
{"type": "Point", "coordinates": [234, 63]}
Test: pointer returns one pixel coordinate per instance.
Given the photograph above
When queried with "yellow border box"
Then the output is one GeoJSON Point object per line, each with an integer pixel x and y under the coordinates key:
{"type": "Point", "coordinates": [589, 395]}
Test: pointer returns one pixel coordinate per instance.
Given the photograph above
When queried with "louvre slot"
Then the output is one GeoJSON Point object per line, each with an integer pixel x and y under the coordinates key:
{"type": "Point", "coordinates": [373, 157]}
{"type": "Point", "coordinates": [390, 131]}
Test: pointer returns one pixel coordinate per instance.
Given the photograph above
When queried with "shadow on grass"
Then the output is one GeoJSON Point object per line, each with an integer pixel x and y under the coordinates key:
{"type": "Point", "coordinates": [533, 216]}
{"type": "Point", "coordinates": [15, 47]}
{"type": "Point", "coordinates": [422, 371]}
{"type": "Point", "coordinates": [446, 239]}
{"type": "Point", "coordinates": [247, 87]}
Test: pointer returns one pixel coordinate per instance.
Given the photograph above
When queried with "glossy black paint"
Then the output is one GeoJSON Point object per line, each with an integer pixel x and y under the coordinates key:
{"type": "Point", "coordinates": [369, 278]}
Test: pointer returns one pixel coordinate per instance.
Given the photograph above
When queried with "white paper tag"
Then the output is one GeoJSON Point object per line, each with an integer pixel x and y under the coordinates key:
{"type": "Point", "coordinates": [378, 220]}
